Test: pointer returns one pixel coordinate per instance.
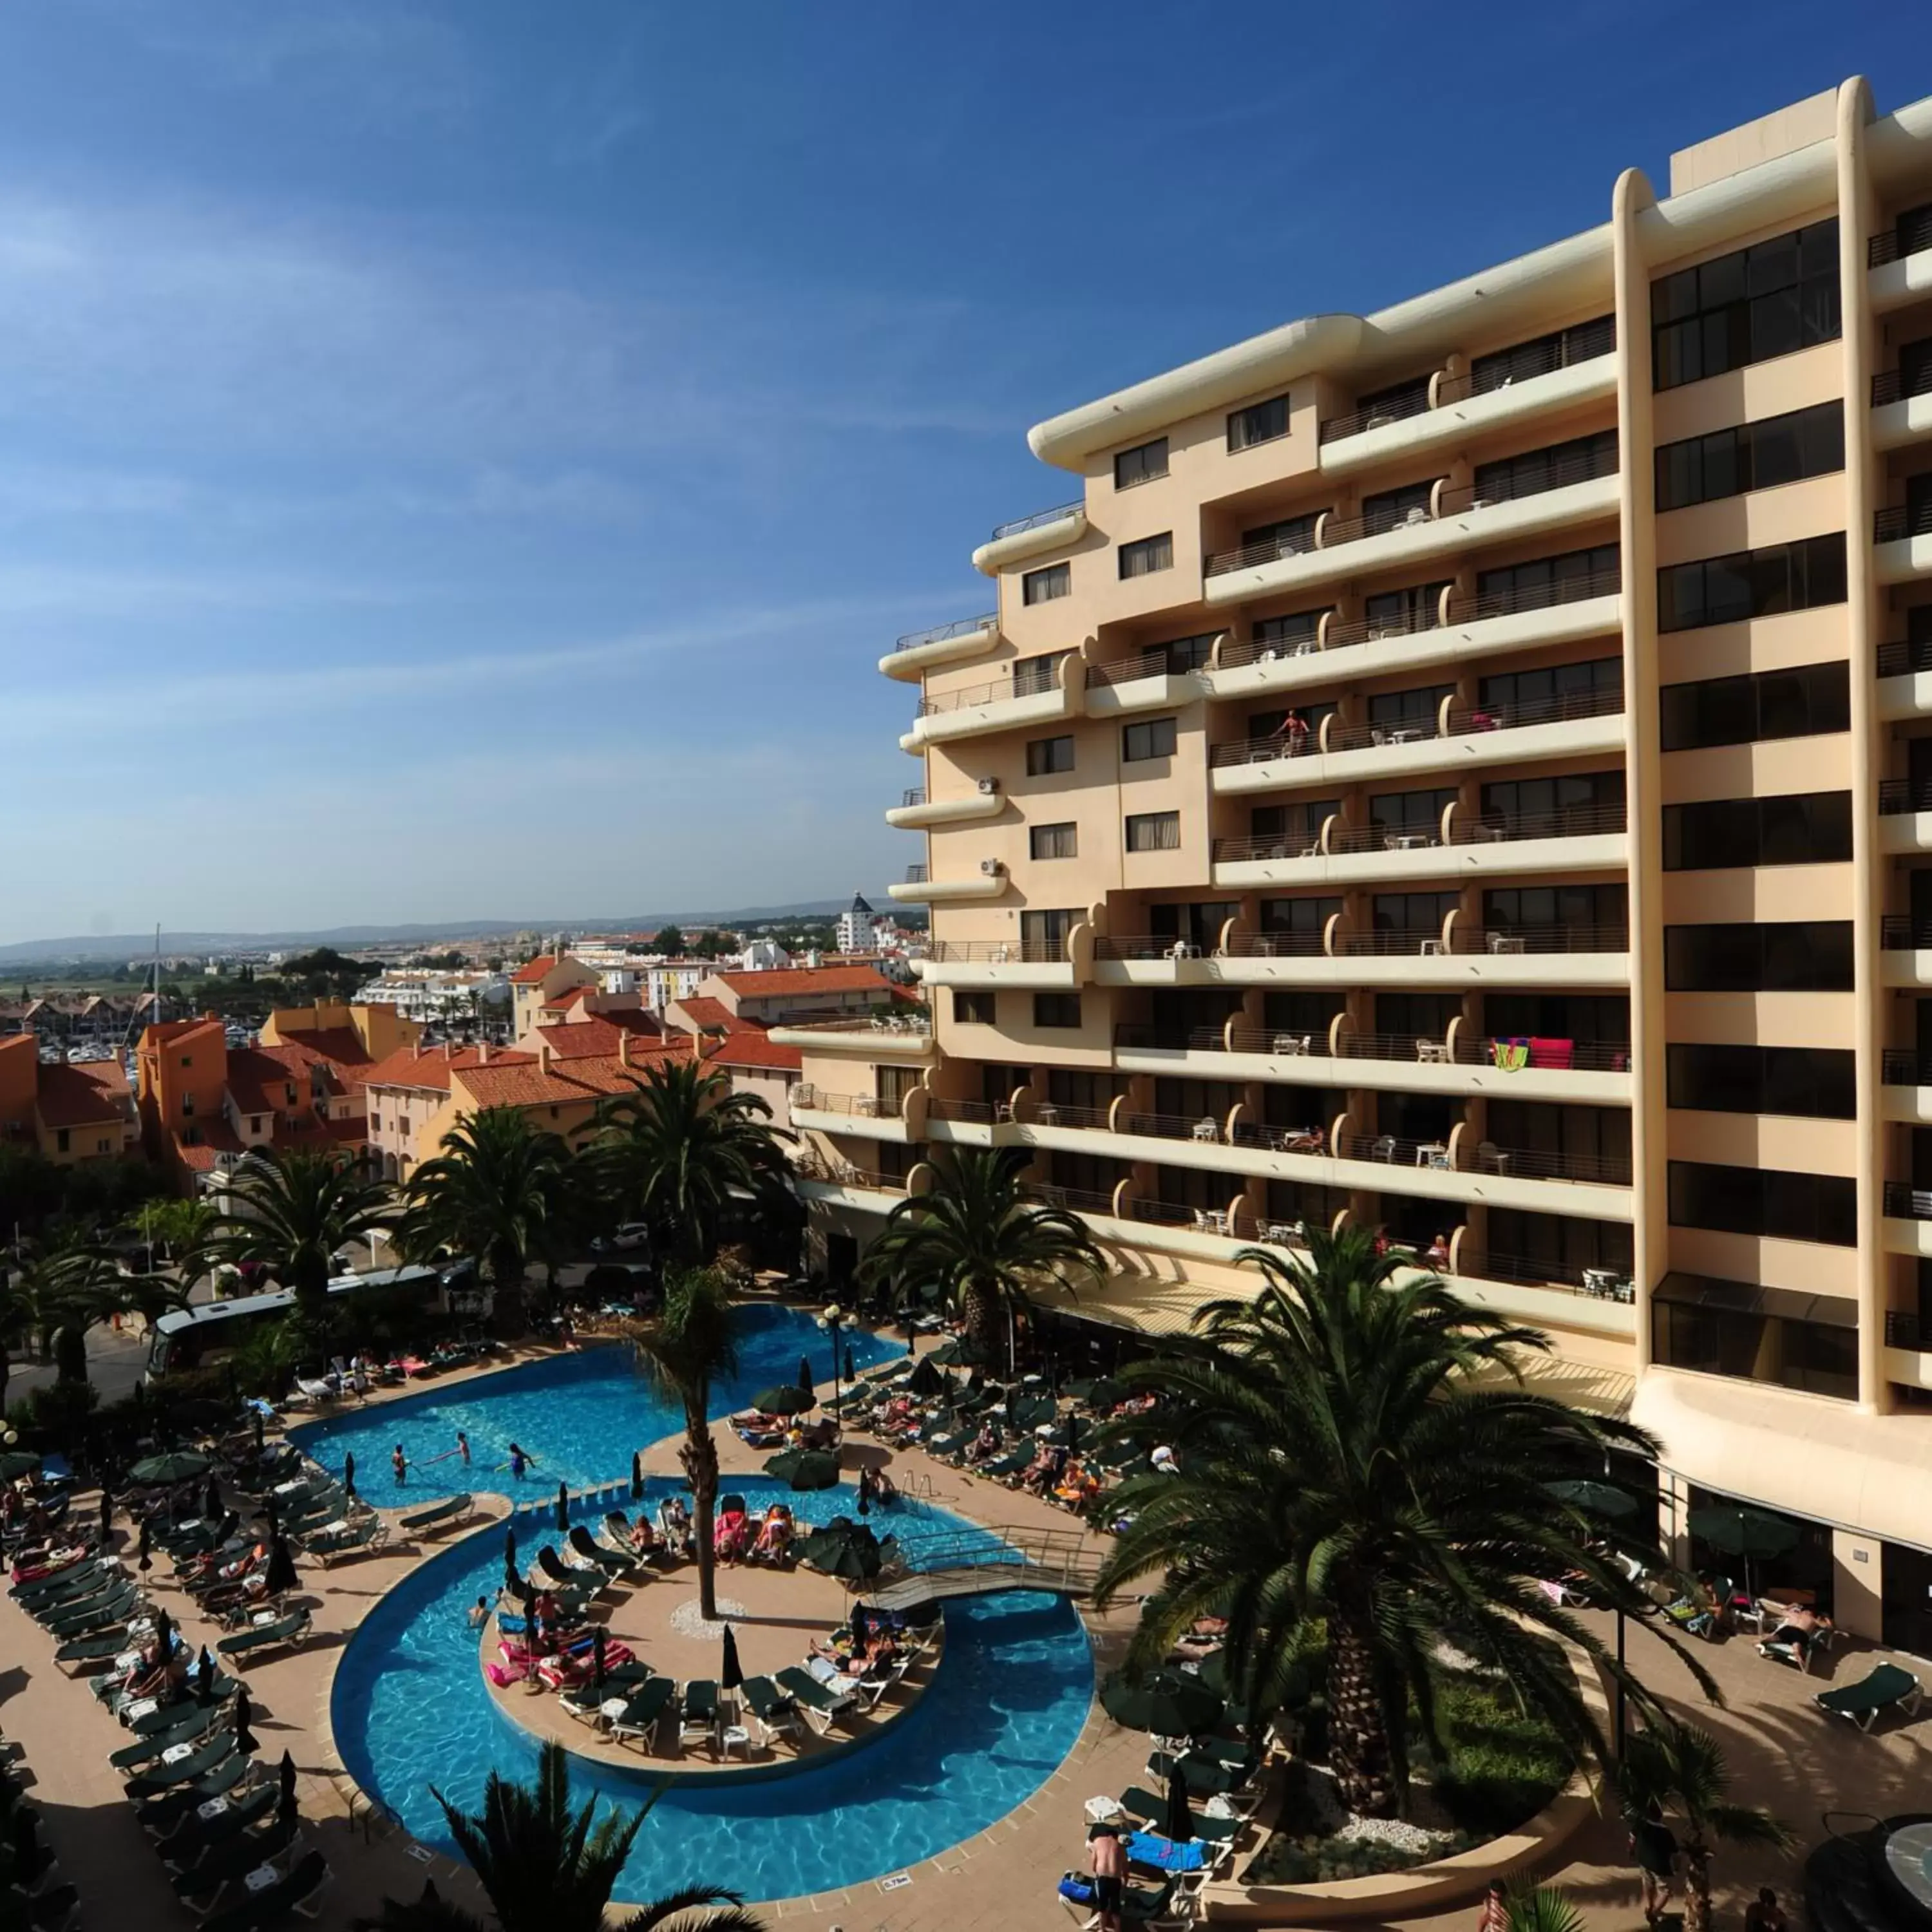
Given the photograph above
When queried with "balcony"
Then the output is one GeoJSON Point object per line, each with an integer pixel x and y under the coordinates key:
{"type": "Point", "coordinates": [997, 962]}
{"type": "Point", "coordinates": [915, 652]}
{"type": "Point", "coordinates": [1027, 537]}
{"type": "Point", "coordinates": [863, 1115]}
{"type": "Point", "coordinates": [1902, 536]}
{"type": "Point", "coordinates": [916, 809]}
{"type": "Point", "coordinates": [1905, 679]}
{"type": "Point", "coordinates": [1899, 269]}
{"type": "Point", "coordinates": [1600, 1299]}
{"type": "Point", "coordinates": [1456, 518]}
{"type": "Point", "coordinates": [1908, 1218]}
{"type": "Point", "coordinates": [1455, 409]}
{"type": "Point", "coordinates": [830, 1179]}
{"type": "Point", "coordinates": [1151, 680]}
{"type": "Point", "coordinates": [1905, 955]}
{"type": "Point", "coordinates": [1905, 1082]}
{"type": "Point", "coordinates": [1901, 410]}
{"type": "Point", "coordinates": [893, 1036]}
{"type": "Point", "coordinates": [1021, 697]}
{"type": "Point", "coordinates": [1905, 815]}
{"type": "Point", "coordinates": [1455, 739]}
{"type": "Point", "coordinates": [1575, 838]}
{"type": "Point", "coordinates": [1449, 630]}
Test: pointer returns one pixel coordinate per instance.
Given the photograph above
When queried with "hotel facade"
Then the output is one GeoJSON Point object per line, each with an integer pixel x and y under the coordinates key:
{"type": "Point", "coordinates": [1467, 770]}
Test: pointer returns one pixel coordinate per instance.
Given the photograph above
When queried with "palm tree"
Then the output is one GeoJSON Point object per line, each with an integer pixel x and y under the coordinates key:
{"type": "Point", "coordinates": [546, 1868]}
{"type": "Point", "coordinates": [1541, 1908]}
{"type": "Point", "coordinates": [293, 1210]}
{"type": "Point", "coordinates": [1348, 1494]}
{"type": "Point", "coordinates": [501, 1188]}
{"type": "Point", "coordinates": [679, 1151]}
{"type": "Point", "coordinates": [1671, 1767]}
{"type": "Point", "coordinates": [692, 1345]}
{"type": "Point", "coordinates": [55, 1293]}
{"type": "Point", "coordinates": [976, 1241]}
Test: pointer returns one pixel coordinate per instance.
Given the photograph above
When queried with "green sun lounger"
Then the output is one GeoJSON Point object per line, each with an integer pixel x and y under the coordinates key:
{"type": "Point", "coordinates": [359, 1539]}
{"type": "Point", "coordinates": [210, 1756]}
{"type": "Point", "coordinates": [86, 1650]}
{"type": "Point", "coordinates": [185, 1837]}
{"type": "Point", "coordinates": [288, 1630]}
{"type": "Point", "coordinates": [196, 1724]}
{"type": "Point", "coordinates": [273, 1903]}
{"type": "Point", "coordinates": [173, 1710]}
{"type": "Point", "coordinates": [609, 1561]}
{"type": "Point", "coordinates": [1144, 1804]}
{"type": "Point", "coordinates": [235, 1858]}
{"type": "Point", "coordinates": [444, 1515]}
{"type": "Point", "coordinates": [639, 1717]}
{"type": "Point", "coordinates": [777, 1714]}
{"type": "Point", "coordinates": [818, 1700]}
{"type": "Point", "coordinates": [98, 1613]}
{"type": "Point", "coordinates": [77, 1579]}
{"type": "Point", "coordinates": [1202, 1775]}
{"type": "Point", "coordinates": [697, 1712]}
{"type": "Point", "coordinates": [156, 1814]}
{"type": "Point", "coordinates": [1877, 1691]}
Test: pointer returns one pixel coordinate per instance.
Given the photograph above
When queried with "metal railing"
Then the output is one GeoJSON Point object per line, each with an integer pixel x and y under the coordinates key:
{"type": "Point", "coordinates": [918, 875]}
{"type": "Point", "coordinates": [1549, 1055]}
{"type": "Point", "coordinates": [1250, 650]}
{"type": "Point", "coordinates": [911, 1020]}
{"type": "Point", "coordinates": [960, 627]}
{"type": "Point", "coordinates": [1272, 550]}
{"type": "Point", "coordinates": [1030, 685]}
{"type": "Point", "coordinates": [1905, 1066]}
{"type": "Point", "coordinates": [1896, 521]}
{"type": "Point", "coordinates": [1038, 521]}
{"type": "Point", "coordinates": [1375, 416]}
{"type": "Point", "coordinates": [1889, 386]}
{"type": "Point", "coordinates": [1543, 596]}
{"type": "Point", "coordinates": [1904, 1202]}
{"type": "Point", "coordinates": [863, 1106]}
{"type": "Point", "coordinates": [1485, 1157]}
{"type": "Point", "coordinates": [1509, 939]}
{"type": "Point", "coordinates": [912, 795]}
{"type": "Point", "coordinates": [1560, 708]}
{"type": "Point", "coordinates": [1902, 656]}
{"type": "Point", "coordinates": [1569, 821]}
{"type": "Point", "coordinates": [1182, 1214]}
{"type": "Point", "coordinates": [1282, 845]}
{"type": "Point", "coordinates": [978, 1111]}
{"type": "Point", "coordinates": [1904, 1330]}
{"type": "Point", "coordinates": [1902, 795]}
{"type": "Point", "coordinates": [1587, 343]}
{"type": "Point", "coordinates": [1606, 1281]}
{"type": "Point", "coordinates": [1075, 1200]}
{"type": "Point", "coordinates": [1177, 659]}
{"type": "Point", "coordinates": [1903, 932]}
{"type": "Point", "coordinates": [997, 952]}
{"type": "Point", "coordinates": [833, 1172]}
{"type": "Point", "coordinates": [1273, 946]}
{"type": "Point", "coordinates": [1890, 245]}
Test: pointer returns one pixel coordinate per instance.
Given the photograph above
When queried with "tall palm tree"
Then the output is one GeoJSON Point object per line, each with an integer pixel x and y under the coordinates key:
{"type": "Point", "coordinates": [547, 1868]}
{"type": "Point", "coordinates": [54, 1292]}
{"type": "Point", "coordinates": [1348, 1493]}
{"type": "Point", "coordinates": [502, 1189]}
{"type": "Point", "coordinates": [693, 1344]}
{"type": "Point", "coordinates": [1676, 1768]}
{"type": "Point", "coordinates": [976, 1242]}
{"type": "Point", "coordinates": [1542, 1908]}
{"type": "Point", "coordinates": [679, 1151]}
{"type": "Point", "coordinates": [293, 1210]}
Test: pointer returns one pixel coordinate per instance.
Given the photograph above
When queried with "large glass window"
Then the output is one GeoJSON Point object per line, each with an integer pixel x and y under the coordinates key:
{"type": "Point", "coordinates": [1420, 914]}
{"type": "Point", "coordinates": [1802, 576]}
{"type": "Point", "coordinates": [1033, 675]}
{"type": "Point", "coordinates": [1296, 827]}
{"type": "Point", "coordinates": [1043, 934]}
{"type": "Point", "coordinates": [1793, 956]}
{"type": "Point", "coordinates": [1411, 811]}
{"type": "Point", "coordinates": [1299, 627]}
{"type": "Point", "coordinates": [1575, 801]}
{"type": "Point", "coordinates": [1398, 708]}
{"type": "Point", "coordinates": [1055, 842]}
{"type": "Point", "coordinates": [1759, 1334]}
{"type": "Point", "coordinates": [1791, 829]}
{"type": "Point", "coordinates": [1802, 702]}
{"type": "Point", "coordinates": [1045, 756]}
{"type": "Point", "coordinates": [1147, 555]}
{"type": "Point", "coordinates": [1746, 307]}
{"type": "Point", "coordinates": [1056, 1009]}
{"type": "Point", "coordinates": [1582, 342]}
{"type": "Point", "coordinates": [1151, 738]}
{"type": "Point", "coordinates": [1583, 690]}
{"type": "Point", "coordinates": [1154, 832]}
{"type": "Point", "coordinates": [1041, 587]}
{"type": "Point", "coordinates": [1259, 422]}
{"type": "Point", "coordinates": [1544, 581]}
{"type": "Point", "coordinates": [1145, 463]}
{"type": "Point", "coordinates": [1534, 471]}
{"type": "Point", "coordinates": [1548, 915]}
{"type": "Point", "coordinates": [1290, 536]}
{"type": "Point", "coordinates": [1814, 1082]}
{"type": "Point", "coordinates": [1307, 918]}
{"type": "Point", "coordinates": [1765, 1201]}
{"type": "Point", "coordinates": [1595, 1019]}
{"type": "Point", "coordinates": [1751, 456]}
{"type": "Point", "coordinates": [1388, 509]}
{"type": "Point", "coordinates": [1393, 614]}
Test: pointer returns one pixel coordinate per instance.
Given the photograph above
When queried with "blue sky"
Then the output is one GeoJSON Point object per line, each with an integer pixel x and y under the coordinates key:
{"type": "Point", "coordinates": [464, 460]}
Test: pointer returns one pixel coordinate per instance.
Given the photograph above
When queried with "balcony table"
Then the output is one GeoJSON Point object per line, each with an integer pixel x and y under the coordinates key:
{"type": "Point", "coordinates": [1432, 1052]}
{"type": "Point", "coordinates": [1504, 942]}
{"type": "Point", "coordinates": [1290, 1046]}
{"type": "Point", "coordinates": [1206, 1130]}
{"type": "Point", "coordinates": [1433, 1153]}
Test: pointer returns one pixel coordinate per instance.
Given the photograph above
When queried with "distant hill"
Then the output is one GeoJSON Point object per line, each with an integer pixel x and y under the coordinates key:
{"type": "Point", "coordinates": [132, 945]}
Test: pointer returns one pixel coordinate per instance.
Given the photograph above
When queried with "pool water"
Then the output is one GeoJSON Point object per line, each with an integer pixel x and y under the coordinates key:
{"type": "Point", "coordinates": [410, 1710]}
{"type": "Point", "coordinates": [580, 1416]}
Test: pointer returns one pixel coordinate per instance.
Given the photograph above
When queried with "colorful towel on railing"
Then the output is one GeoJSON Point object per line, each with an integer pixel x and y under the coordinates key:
{"type": "Point", "coordinates": [1510, 1055]}
{"type": "Point", "coordinates": [1561, 1053]}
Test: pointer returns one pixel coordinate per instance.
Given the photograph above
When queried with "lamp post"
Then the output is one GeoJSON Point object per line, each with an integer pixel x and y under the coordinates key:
{"type": "Point", "coordinates": [833, 1319]}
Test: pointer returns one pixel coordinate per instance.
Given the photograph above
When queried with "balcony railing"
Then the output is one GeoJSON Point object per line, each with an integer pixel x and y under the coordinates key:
{"type": "Point", "coordinates": [1898, 521]}
{"type": "Point", "coordinates": [1903, 1329]}
{"type": "Point", "coordinates": [1889, 386]}
{"type": "Point", "coordinates": [915, 1020]}
{"type": "Point", "coordinates": [1512, 939]}
{"type": "Point", "coordinates": [1274, 946]}
{"type": "Point", "coordinates": [979, 1112]}
{"type": "Point", "coordinates": [1281, 1041]}
{"type": "Point", "coordinates": [1075, 1200]}
{"type": "Point", "coordinates": [939, 634]}
{"type": "Point", "coordinates": [1588, 343]}
{"type": "Point", "coordinates": [1181, 1214]}
{"type": "Point", "coordinates": [1064, 1113]}
{"type": "Point", "coordinates": [1172, 660]}
{"type": "Point", "coordinates": [1906, 1067]}
{"type": "Point", "coordinates": [1578, 590]}
{"type": "Point", "coordinates": [1568, 821]}
{"type": "Point", "coordinates": [997, 952]}
{"type": "Point", "coordinates": [1904, 1202]}
{"type": "Point", "coordinates": [918, 875]}
{"type": "Point", "coordinates": [1576, 821]}
{"type": "Point", "coordinates": [1890, 245]}
{"type": "Point", "coordinates": [1898, 795]}
{"type": "Point", "coordinates": [812, 1165]}
{"type": "Point", "coordinates": [1547, 1055]}
{"type": "Point", "coordinates": [1605, 1282]}
{"type": "Point", "coordinates": [1901, 932]}
{"type": "Point", "coordinates": [1305, 844]}
{"type": "Point", "coordinates": [1903, 656]}
{"type": "Point", "coordinates": [1376, 416]}
{"type": "Point", "coordinates": [912, 795]}
{"type": "Point", "coordinates": [1522, 1163]}
{"type": "Point", "coordinates": [1038, 521]}
{"type": "Point", "coordinates": [862, 1106]}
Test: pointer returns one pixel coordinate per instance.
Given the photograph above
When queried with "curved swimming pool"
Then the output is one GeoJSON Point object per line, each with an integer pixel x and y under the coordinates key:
{"type": "Point", "coordinates": [409, 1709]}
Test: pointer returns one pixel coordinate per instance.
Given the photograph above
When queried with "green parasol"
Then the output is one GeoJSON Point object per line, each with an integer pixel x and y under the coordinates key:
{"type": "Point", "coordinates": [805, 1468]}
{"type": "Point", "coordinates": [1166, 1702]}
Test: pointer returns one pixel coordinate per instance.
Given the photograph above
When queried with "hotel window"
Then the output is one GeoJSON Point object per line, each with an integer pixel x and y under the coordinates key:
{"type": "Point", "coordinates": [1154, 832]}
{"type": "Point", "coordinates": [1578, 802]}
{"type": "Point", "coordinates": [1789, 956]}
{"type": "Point", "coordinates": [1145, 463]}
{"type": "Point", "coordinates": [1578, 460]}
{"type": "Point", "coordinates": [1290, 536]}
{"type": "Point", "coordinates": [1751, 1333]}
{"type": "Point", "coordinates": [1394, 613]}
{"type": "Point", "coordinates": [1586, 690]}
{"type": "Point", "coordinates": [1150, 554]}
{"type": "Point", "coordinates": [1301, 627]}
{"type": "Point", "coordinates": [1408, 397]}
{"type": "Point", "coordinates": [1153, 738]}
{"type": "Point", "coordinates": [1042, 586]}
{"type": "Point", "coordinates": [1410, 811]}
{"type": "Point", "coordinates": [1806, 1082]}
{"type": "Point", "coordinates": [1032, 676]}
{"type": "Point", "coordinates": [1803, 702]}
{"type": "Point", "coordinates": [1389, 509]}
{"type": "Point", "coordinates": [1055, 842]}
{"type": "Point", "coordinates": [1544, 580]}
{"type": "Point", "coordinates": [1183, 655]}
{"type": "Point", "coordinates": [1765, 1201]}
{"type": "Point", "coordinates": [973, 1009]}
{"type": "Point", "coordinates": [1046, 756]}
{"type": "Point", "coordinates": [1746, 307]}
{"type": "Point", "coordinates": [1260, 422]}
{"type": "Point", "coordinates": [1582, 342]}
{"type": "Point", "coordinates": [1800, 576]}
{"type": "Point", "coordinates": [1043, 935]}
{"type": "Point", "coordinates": [1292, 830]}
{"type": "Point", "coordinates": [1395, 709]}
{"type": "Point", "coordinates": [1751, 456]}
{"type": "Point", "coordinates": [1056, 1009]}
{"type": "Point", "coordinates": [1812, 828]}
{"type": "Point", "coordinates": [1418, 915]}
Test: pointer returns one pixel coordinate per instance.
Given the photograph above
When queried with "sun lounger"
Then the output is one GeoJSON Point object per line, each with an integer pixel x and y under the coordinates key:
{"type": "Point", "coordinates": [186, 1730]}
{"type": "Point", "coordinates": [97, 1613]}
{"type": "Point", "coordinates": [1144, 1804]}
{"type": "Point", "coordinates": [444, 1515]}
{"type": "Point", "coordinates": [777, 1715]}
{"type": "Point", "coordinates": [295, 1891]}
{"type": "Point", "coordinates": [1881, 1687]}
{"type": "Point", "coordinates": [359, 1539]}
{"type": "Point", "coordinates": [697, 1713]}
{"type": "Point", "coordinates": [823, 1708]}
{"type": "Point", "coordinates": [280, 1632]}
{"type": "Point", "coordinates": [186, 1836]}
{"type": "Point", "coordinates": [1200, 1775]}
{"type": "Point", "coordinates": [80, 1653]}
{"type": "Point", "coordinates": [79, 1579]}
{"type": "Point", "coordinates": [200, 1886]}
{"type": "Point", "coordinates": [53, 1910]}
{"type": "Point", "coordinates": [311, 1389]}
{"type": "Point", "coordinates": [164, 1777]}
{"type": "Point", "coordinates": [157, 1813]}
{"type": "Point", "coordinates": [612, 1562]}
{"type": "Point", "coordinates": [639, 1717]}
{"type": "Point", "coordinates": [163, 1713]}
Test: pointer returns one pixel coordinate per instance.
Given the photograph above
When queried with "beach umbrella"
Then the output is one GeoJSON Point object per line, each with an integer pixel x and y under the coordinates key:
{"type": "Point", "coordinates": [1166, 1702]}
{"type": "Point", "coordinates": [26, 1847]}
{"type": "Point", "coordinates": [805, 1468]}
{"type": "Point", "coordinates": [855, 1561]}
{"type": "Point", "coordinates": [857, 1623]}
{"type": "Point", "coordinates": [261, 1434]}
{"type": "Point", "coordinates": [730, 1671]}
{"type": "Point", "coordinates": [286, 1771]}
{"type": "Point", "coordinates": [274, 1515]}
{"type": "Point", "coordinates": [349, 1475]}
{"type": "Point", "coordinates": [510, 1550]}
{"type": "Point", "coordinates": [1740, 1531]}
{"type": "Point", "coordinates": [1594, 1498]}
{"type": "Point", "coordinates": [203, 1675]}
{"type": "Point", "coordinates": [563, 1509]}
{"type": "Point", "coordinates": [144, 1560]}
{"type": "Point", "coordinates": [106, 1510]}
{"type": "Point", "coordinates": [784, 1400]}
{"type": "Point", "coordinates": [210, 1499]}
{"type": "Point", "coordinates": [1073, 1430]}
{"type": "Point", "coordinates": [15, 1463]}
{"type": "Point", "coordinates": [637, 1477]}
{"type": "Point", "coordinates": [958, 1351]}
{"type": "Point", "coordinates": [597, 1655]}
{"type": "Point", "coordinates": [927, 1377]}
{"type": "Point", "coordinates": [245, 1741]}
{"type": "Point", "coordinates": [864, 1503]}
{"type": "Point", "coordinates": [1176, 1819]}
{"type": "Point", "coordinates": [851, 1366]}
{"type": "Point", "coordinates": [281, 1578]}
{"type": "Point", "coordinates": [164, 1632]}
{"type": "Point", "coordinates": [173, 1465]}
{"type": "Point", "coordinates": [807, 1380]}
{"type": "Point", "coordinates": [288, 1813]}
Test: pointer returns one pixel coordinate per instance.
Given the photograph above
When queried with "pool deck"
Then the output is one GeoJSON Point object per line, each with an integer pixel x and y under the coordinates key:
{"type": "Point", "coordinates": [1784, 1752]}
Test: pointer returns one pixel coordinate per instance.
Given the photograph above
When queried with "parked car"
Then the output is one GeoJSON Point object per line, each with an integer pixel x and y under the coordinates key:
{"type": "Point", "coordinates": [631, 1235]}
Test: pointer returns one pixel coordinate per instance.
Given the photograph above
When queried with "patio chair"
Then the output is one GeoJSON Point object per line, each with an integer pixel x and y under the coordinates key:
{"type": "Point", "coordinates": [776, 1715]}
{"type": "Point", "coordinates": [156, 1815]}
{"type": "Point", "coordinates": [152, 1744]}
{"type": "Point", "coordinates": [824, 1707]}
{"type": "Point", "coordinates": [697, 1713]}
{"type": "Point", "coordinates": [211, 1756]}
{"type": "Point", "coordinates": [613, 1563]}
{"type": "Point", "coordinates": [444, 1515]}
{"type": "Point", "coordinates": [184, 1838]}
{"type": "Point", "coordinates": [1144, 1804]}
{"type": "Point", "coordinates": [279, 1632]}
{"type": "Point", "coordinates": [1882, 1687]}
{"type": "Point", "coordinates": [639, 1717]}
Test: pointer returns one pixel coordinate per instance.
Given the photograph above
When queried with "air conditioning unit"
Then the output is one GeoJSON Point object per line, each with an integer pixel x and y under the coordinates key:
{"type": "Point", "coordinates": [988, 786]}
{"type": "Point", "coordinates": [991, 868]}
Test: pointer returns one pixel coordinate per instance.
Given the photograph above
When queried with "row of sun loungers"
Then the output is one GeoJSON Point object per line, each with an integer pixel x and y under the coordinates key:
{"type": "Point", "coordinates": [36, 1897]}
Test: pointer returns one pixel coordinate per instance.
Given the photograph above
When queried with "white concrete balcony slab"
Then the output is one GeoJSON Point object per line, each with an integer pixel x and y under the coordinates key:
{"type": "Point", "coordinates": [1908, 1236]}
{"type": "Point", "coordinates": [1902, 558]}
{"type": "Point", "coordinates": [918, 889]}
{"type": "Point", "coordinates": [1457, 416]}
{"type": "Point", "coordinates": [1471, 628]}
{"type": "Point", "coordinates": [1239, 863]}
{"type": "Point", "coordinates": [918, 811]}
{"type": "Point", "coordinates": [1898, 282]}
{"type": "Point", "coordinates": [1546, 1306]}
{"type": "Point", "coordinates": [857, 1115]}
{"type": "Point", "coordinates": [869, 1195]}
{"type": "Point", "coordinates": [1002, 706]}
{"type": "Point", "coordinates": [1905, 966]}
{"type": "Point", "coordinates": [1903, 1098]}
{"type": "Point", "coordinates": [1897, 424]}
{"type": "Point", "coordinates": [1159, 690]}
{"type": "Point", "coordinates": [919, 651]}
{"type": "Point", "coordinates": [1232, 579]}
{"type": "Point", "coordinates": [1372, 960]}
{"type": "Point", "coordinates": [1902, 831]}
{"type": "Point", "coordinates": [992, 964]}
{"type": "Point", "coordinates": [1902, 691]}
{"type": "Point", "coordinates": [1029, 537]}
{"type": "Point", "coordinates": [878, 1040]}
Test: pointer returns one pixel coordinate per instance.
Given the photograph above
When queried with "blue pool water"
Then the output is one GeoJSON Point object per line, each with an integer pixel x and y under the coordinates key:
{"type": "Point", "coordinates": [410, 1709]}
{"type": "Point", "coordinates": [581, 1416]}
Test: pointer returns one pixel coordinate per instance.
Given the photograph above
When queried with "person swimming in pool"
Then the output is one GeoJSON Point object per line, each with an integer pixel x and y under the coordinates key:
{"type": "Point", "coordinates": [520, 1460]}
{"type": "Point", "coordinates": [400, 1462]}
{"type": "Point", "coordinates": [463, 1447]}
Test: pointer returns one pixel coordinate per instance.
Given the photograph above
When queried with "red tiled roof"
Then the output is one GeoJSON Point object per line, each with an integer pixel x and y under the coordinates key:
{"type": "Point", "coordinates": [169, 1031]}
{"type": "Point", "coordinates": [710, 1016]}
{"type": "Point", "coordinates": [591, 1037]}
{"type": "Point", "coordinates": [258, 1081]}
{"type": "Point", "coordinates": [565, 1000]}
{"type": "Point", "coordinates": [533, 974]}
{"type": "Point", "coordinates": [79, 1095]}
{"type": "Point", "coordinates": [342, 1045]}
{"type": "Point", "coordinates": [429, 1069]}
{"type": "Point", "coordinates": [794, 979]}
{"type": "Point", "coordinates": [754, 1048]}
{"type": "Point", "coordinates": [567, 1081]}
{"type": "Point", "coordinates": [216, 1137]}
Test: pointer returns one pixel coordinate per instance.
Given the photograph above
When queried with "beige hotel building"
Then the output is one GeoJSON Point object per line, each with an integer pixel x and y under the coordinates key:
{"type": "Point", "coordinates": [1467, 770]}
